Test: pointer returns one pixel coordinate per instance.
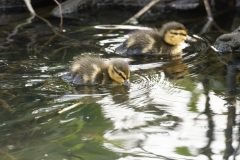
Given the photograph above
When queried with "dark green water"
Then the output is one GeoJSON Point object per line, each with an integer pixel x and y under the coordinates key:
{"type": "Point", "coordinates": [175, 109]}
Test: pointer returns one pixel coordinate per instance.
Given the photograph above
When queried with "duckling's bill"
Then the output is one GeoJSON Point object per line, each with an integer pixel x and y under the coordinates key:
{"type": "Point", "coordinates": [127, 83]}
{"type": "Point", "coordinates": [190, 39]}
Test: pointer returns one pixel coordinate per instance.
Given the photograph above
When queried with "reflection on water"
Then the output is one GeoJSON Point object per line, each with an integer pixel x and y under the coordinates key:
{"type": "Point", "coordinates": [182, 108]}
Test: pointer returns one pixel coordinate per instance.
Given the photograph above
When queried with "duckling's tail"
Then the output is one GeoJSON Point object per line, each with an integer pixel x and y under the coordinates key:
{"type": "Point", "coordinates": [72, 79]}
{"type": "Point", "coordinates": [121, 50]}
{"type": "Point", "coordinates": [67, 77]}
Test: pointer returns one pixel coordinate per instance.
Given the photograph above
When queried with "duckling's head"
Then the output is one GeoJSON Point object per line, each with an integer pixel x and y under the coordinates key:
{"type": "Point", "coordinates": [119, 71]}
{"type": "Point", "coordinates": [174, 33]}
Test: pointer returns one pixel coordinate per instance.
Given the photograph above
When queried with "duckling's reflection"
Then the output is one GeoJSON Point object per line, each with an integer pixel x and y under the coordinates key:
{"type": "Point", "coordinates": [175, 69]}
{"type": "Point", "coordinates": [118, 93]}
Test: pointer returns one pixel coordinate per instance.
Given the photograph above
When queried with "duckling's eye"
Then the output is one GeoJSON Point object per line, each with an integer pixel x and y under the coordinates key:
{"type": "Point", "coordinates": [120, 74]}
{"type": "Point", "coordinates": [181, 34]}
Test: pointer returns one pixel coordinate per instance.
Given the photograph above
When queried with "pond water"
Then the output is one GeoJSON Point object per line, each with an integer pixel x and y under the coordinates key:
{"type": "Point", "coordinates": [175, 109]}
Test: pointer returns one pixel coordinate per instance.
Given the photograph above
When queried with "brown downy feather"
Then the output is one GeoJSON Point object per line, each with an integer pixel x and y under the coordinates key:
{"type": "Point", "coordinates": [154, 42]}
{"type": "Point", "coordinates": [89, 70]}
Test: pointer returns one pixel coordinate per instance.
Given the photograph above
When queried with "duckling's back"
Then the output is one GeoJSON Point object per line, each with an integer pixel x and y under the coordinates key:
{"type": "Point", "coordinates": [147, 42]}
{"type": "Point", "coordinates": [87, 70]}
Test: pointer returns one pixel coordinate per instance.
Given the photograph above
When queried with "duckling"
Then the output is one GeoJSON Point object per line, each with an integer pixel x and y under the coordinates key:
{"type": "Point", "coordinates": [165, 41]}
{"type": "Point", "coordinates": [90, 70]}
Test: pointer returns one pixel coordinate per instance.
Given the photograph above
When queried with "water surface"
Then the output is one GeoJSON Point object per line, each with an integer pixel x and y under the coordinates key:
{"type": "Point", "coordinates": [175, 109]}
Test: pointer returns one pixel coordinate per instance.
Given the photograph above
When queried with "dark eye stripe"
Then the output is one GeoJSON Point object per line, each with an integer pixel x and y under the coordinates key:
{"type": "Point", "coordinates": [178, 34]}
{"type": "Point", "coordinates": [119, 73]}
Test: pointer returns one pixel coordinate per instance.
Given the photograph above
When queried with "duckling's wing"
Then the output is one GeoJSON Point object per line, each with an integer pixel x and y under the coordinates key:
{"type": "Point", "coordinates": [140, 42]}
